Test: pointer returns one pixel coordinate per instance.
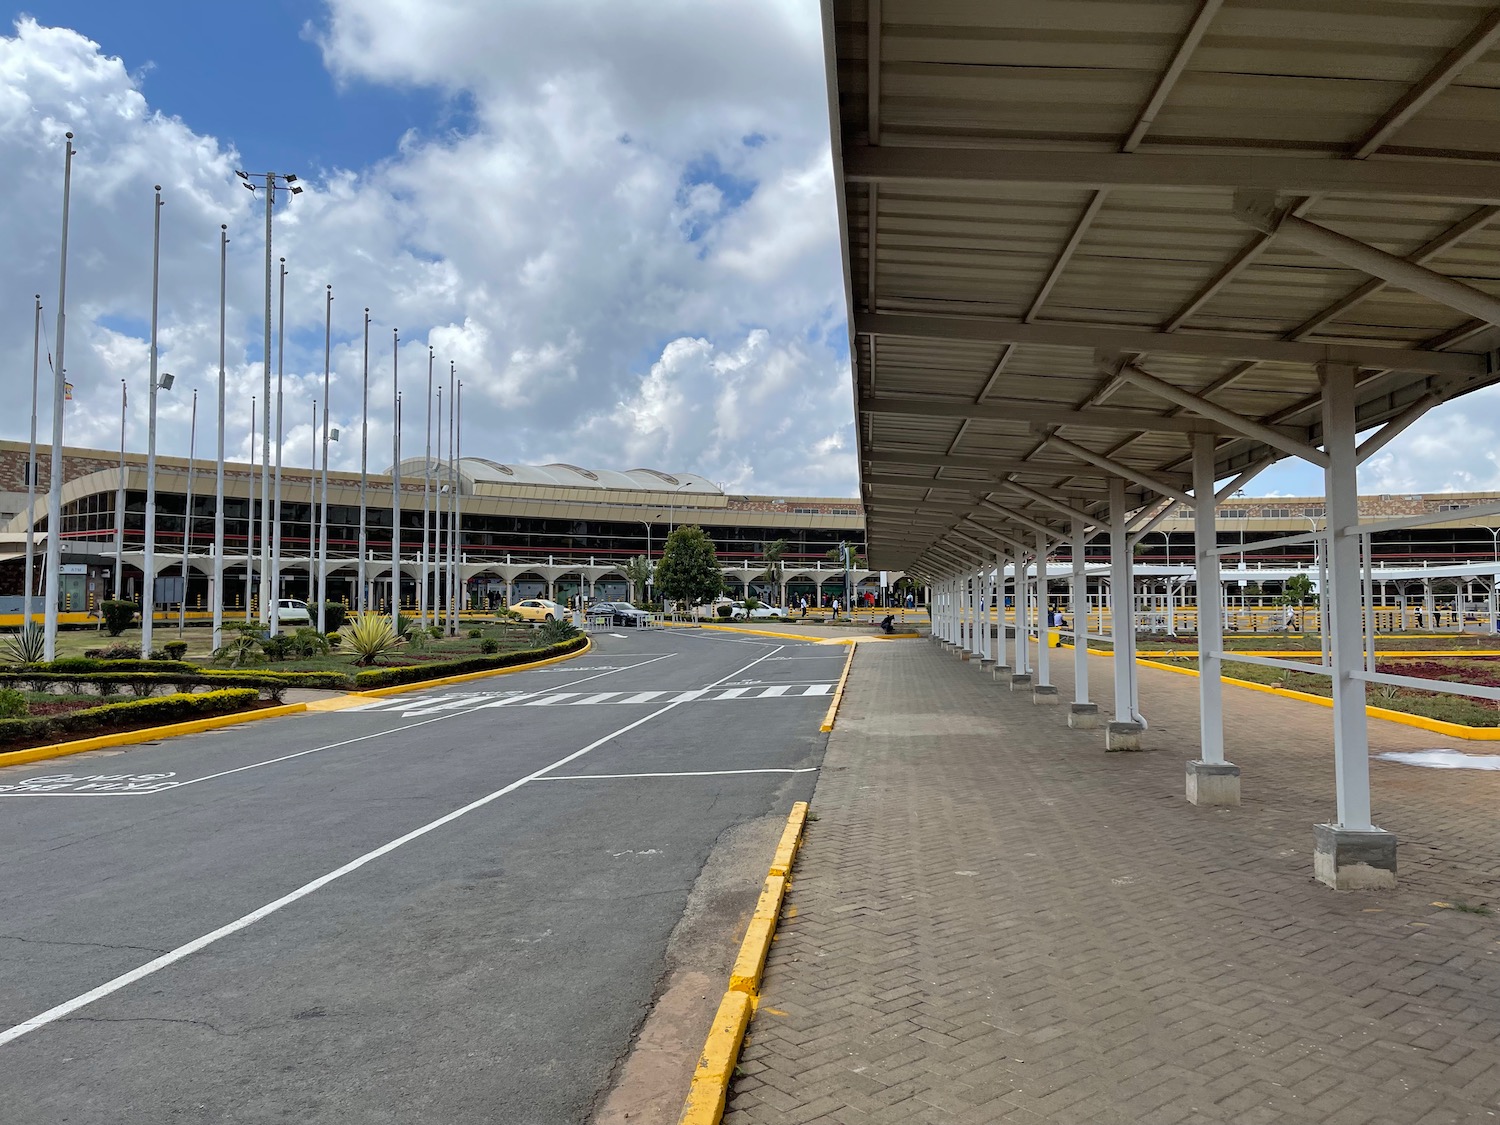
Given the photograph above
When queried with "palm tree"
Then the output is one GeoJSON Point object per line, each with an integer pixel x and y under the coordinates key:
{"type": "Point", "coordinates": [772, 554]}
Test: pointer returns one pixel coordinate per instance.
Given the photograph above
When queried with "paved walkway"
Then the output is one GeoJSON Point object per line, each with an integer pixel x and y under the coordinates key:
{"type": "Point", "coordinates": [994, 921]}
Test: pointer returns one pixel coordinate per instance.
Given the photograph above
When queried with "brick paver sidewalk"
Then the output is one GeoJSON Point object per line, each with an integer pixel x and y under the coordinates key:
{"type": "Point", "coordinates": [993, 920]}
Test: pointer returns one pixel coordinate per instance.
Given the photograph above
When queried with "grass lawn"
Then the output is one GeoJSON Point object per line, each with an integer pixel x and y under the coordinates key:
{"type": "Point", "coordinates": [1449, 708]}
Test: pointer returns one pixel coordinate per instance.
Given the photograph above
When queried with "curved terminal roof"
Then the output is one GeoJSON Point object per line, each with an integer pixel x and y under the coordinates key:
{"type": "Point", "coordinates": [561, 475]}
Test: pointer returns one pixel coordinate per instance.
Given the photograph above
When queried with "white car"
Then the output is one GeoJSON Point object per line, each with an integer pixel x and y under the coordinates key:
{"type": "Point", "coordinates": [761, 612]}
{"type": "Point", "coordinates": [289, 611]}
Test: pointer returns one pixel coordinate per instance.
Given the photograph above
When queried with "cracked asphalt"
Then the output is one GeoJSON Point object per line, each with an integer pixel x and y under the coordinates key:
{"type": "Point", "coordinates": [496, 924]}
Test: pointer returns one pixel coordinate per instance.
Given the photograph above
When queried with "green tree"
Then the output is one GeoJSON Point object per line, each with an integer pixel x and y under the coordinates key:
{"type": "Point", "coordinates": [689, 568]}
{"type": "Point", "coordinates": [856, 560]}
{"type": "Point", "coordinates": [772, 555]}
{"type": "Point", "coordinates": [1297, 591]}
{"type": "Point", "coordinates": [638, 574]}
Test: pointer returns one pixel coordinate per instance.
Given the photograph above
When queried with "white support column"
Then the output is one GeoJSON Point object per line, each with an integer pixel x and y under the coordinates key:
{"type": "Point", "coordinates": [1002, 669]}
{"type": "Point", "coordinates": [1210, 779]}
{"type": "Point", "coordinates": [1082, 715]}
{"type": "Point", "coordinates": [1351, 854]}
{"type": "Point", "coordinates": [1124, 733]}
{"type": "Point", "coordinates": [982, 589]}
{"type": "Point", "coordinates": [1042, 691]}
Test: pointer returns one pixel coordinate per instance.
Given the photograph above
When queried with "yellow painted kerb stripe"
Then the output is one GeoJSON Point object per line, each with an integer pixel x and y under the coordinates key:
{"type": "Point", "coordinates": [146, 734]}
{"type": "Point", "coordinates": [715, 1070]}
{"type": "Point", "coordinates": [838, 693]}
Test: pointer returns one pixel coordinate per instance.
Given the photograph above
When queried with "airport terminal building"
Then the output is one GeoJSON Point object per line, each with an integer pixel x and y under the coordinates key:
{"type": "Point", "coordinates": [525, 530]}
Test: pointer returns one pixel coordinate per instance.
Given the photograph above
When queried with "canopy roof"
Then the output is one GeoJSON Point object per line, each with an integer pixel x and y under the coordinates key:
{"type": "Point", "coordinates": [1076, 233]}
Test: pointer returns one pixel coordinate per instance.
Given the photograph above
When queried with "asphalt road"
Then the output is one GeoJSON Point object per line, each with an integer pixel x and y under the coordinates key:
{"type": "Point", "coordinates": [451, 906]}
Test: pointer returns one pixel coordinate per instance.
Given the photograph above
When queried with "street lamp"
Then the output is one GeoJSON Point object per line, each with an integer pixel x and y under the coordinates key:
{"type": "Point", "coordinates": [323, 498]}
{"type": "Point", "coordinates": [187, 518]}
{"type": "Point", "coordinates": [274, 182]}
{"type": "Point", "coordinates": [274, 624]}
{"type": "Point", "coordinates": [59, 396]}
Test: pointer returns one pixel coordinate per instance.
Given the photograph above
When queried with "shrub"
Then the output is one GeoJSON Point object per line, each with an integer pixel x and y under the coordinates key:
{"type": "Point", "coordinates": [120, 652]}
{"type": "Point", "coordinates": [334, 615]}
{"type": "Point", "coordinates": [40, 730]}
{"type": "Point", "coordinates": [117, 616]}
{"type": "Point", "coordinates": [279, 646]}
{"type": "Point", "coordinates": [306, 642]}
{"type": "Point", "coordinates": [241, 647]}
{"type": "Point", "coordinates": [556, 632]}
{"type": "Point", "coordinates": [489, 646]}
{"type": "Point", "coordinates": [175, 650]}
{"type": "Point", "coordinates": [725, 611]}
{"type": "Point", "coordinates": [475, 634]}
{"type": "Point", "coordinates": [411, 674]}
{"type": "Point", "coordinates": [12, 704]}
{"type": "Point", "coordinates": [417, 641]}
{"type": "Point", "coordinates": [370, 636]}
{"type": "Point", "coordinates": [435, 632]}
{"type": "Point", "coordinates": [140, 687]}
{"type": "Point", "coordinates": [81, 664]}
{"type": "Point", "coordinates": [28, 646]}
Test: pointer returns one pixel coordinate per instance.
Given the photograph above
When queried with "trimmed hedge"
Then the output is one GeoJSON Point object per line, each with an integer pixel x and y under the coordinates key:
{"type": "Point", "coordinates": [416, 673]}
{"type": "Point", "coordinates": [274, 684]}
{"type": "Point", "coordinates": [136, 712]}
{"type": "Point", "coordinates": [89, 664]}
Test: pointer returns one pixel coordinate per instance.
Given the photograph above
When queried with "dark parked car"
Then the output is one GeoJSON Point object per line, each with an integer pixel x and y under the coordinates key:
{"type": "Point", "coordinates": [621, 613]}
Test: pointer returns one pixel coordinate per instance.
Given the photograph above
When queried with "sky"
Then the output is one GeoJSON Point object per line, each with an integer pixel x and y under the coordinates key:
{"type": "Point", "coordinates": [614, 217]}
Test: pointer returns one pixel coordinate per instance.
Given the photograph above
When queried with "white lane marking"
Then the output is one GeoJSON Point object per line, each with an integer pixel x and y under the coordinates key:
{"type": "Point", "coordinates": [689, 696]}
{"type": "Point", "coordinates": [817, 689]}
{"type": "Point", "coordinates": [733, 693]}
{"type": "Point", "coordinates": [687, 773]}
{"type": "Point", "coordinates": [773, 692]}
{"type": "Point", "coordinates": [598, 697]}
{"type": "Point", "coordinates": [552, 699]}
{"type": "Point", "coordinates": [68, 1007]}
{"type": "Point", "coordinates": [642, 697]}
{"type": "Point", "coordinates": [351, 741]}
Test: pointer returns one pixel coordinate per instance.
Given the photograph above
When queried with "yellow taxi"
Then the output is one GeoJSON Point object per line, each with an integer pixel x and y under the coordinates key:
{"type": "Point", "coordinates": [539, 609]}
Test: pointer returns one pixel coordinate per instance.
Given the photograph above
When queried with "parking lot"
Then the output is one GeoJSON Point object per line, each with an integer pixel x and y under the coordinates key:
{"type": "Point", "coordinates": [448, 905]}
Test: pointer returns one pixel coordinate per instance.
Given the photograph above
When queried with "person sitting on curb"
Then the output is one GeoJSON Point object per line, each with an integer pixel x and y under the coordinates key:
{"type": "Point", "coordinates": [888, 623]}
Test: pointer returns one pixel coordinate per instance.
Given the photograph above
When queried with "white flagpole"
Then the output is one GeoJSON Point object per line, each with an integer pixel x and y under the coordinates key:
{"type": "Point", "coordinates": [362, 598]}
{"type": "Point", "coordinates": [218, 594]}
{"type": "Point", "coordinates": [250, 519]}
{"type": "Point", "coordinates": [187, 521]}
{"type": "Point", "coordinates": [30, 572]}
{"type": "Point", "coordinates": [323, 500]}
{"type": "Point", "coordinates": [54, 482]}
{"type": "Point", "coordinates": [148, 603]}
{"type": "Point", "coordinates": [120, 501]}
{"type": "Point", "coordinates": [452, 508]}
{"type": "Point", "coordinates": [396, 481]}
{"type": "Point", "coordinates": [274, 623]}
{"type": "Point", "coordinates": [422, 598]}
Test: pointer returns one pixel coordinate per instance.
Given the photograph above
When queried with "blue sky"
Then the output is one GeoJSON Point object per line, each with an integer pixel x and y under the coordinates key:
{"type": "Point", "coordinates": [252, 75]}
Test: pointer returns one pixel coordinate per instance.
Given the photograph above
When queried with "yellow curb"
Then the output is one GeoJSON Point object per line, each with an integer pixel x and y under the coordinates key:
{"type": "Point", "coordinates": [838, 694]}
{"type": "Point", "coordinates": [336, 702]}
{"type": "Point", "coordinates": [710, 1086]}
{"type": "Point", "coordinates": [397, 689]}
{"type": "Point", "coordinates": [145, 734]}
{"type": "Point", "coordinates": [1421, 722]}
{"type": "Point", "coordinates": [791, 839]}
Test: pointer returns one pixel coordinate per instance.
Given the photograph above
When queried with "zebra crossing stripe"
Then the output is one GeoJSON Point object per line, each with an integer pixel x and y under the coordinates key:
{"type": "Point", "coordinates": [451, 702]}
{"type": "Point", "coordinates": [773, 692]}
{"type": "Point", "coordinates": [642, 697]}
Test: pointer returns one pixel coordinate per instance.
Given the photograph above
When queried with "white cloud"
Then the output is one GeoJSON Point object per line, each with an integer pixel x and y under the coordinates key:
{"type": "Point", "coordinates": [632, 256]}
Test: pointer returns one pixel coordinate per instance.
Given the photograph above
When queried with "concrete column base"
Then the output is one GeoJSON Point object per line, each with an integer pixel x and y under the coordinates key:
{"type": "Point", "coordinates": [1001, 672]}
{"type": "Point", "coordinates": [1085, 716]}
{"type": "Point", "coordinates": [965, 654]}
{"type": "Point", "coordinates": [1123, 736]}
{"type": "Point", "coordinates": [1045, 695]}
{"type": "Point", "coordinates": [1348, 859]}
{"type": "Point", "coordinates": [1213, 783]}
{"type": "Point", "coordinates": [986, 664]}
{"type": "Point", "coordinates": [1020, 681]}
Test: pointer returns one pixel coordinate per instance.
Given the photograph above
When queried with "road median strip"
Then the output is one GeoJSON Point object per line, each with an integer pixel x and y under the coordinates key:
{"type": "Point", "coordinates": [197, 726]}
{"type": "Point", "coordinates": [715, 1070]}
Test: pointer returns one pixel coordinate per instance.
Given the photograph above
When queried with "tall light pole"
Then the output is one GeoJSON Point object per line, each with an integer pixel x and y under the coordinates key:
{"type": "Point", "coordinates": [275, 181]}
{"type": "Point", "coordinates": [274, 623]}
{"type": "Point", "coordinates": [460, 593]}
{"type": "Point", "coordinates": [218, 596]}
{"type": "Point", "coordinates": [120, 503]}
{"type": "Point", "coordinates": [36, 362]}
{"type": "Point", "coordinates": [148, 605]}
{"type": "Point", "coordinates": [54, 482]}
{"type": "Point", "coordinates": [426, 493]}
{"type": "Point", "coordinates": [328, 435]}
{"type": "Point", "coordinates": [187, 519]}
{"type": "Point", "coordinates": [452, 504]}
{"type": "Point", "coordinates": [362, 599]}
{"type": "Point", "coordinates": [396, 482]}
{"type": "Point", "coordinates": [250, 520]}
{"type": "Point", "coordinates": [323, 498]}
{"type": "Point", "coordinates": [439, 538]}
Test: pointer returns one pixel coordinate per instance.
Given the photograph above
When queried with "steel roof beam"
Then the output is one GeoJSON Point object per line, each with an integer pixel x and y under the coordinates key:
{"type": "Point", "coordinates": [969, 461]}
{"type": "Point", "coordinates": [1260, 212]}
{"type": "Point", "coordinates": [1167, 171]}
{"type": "Point", "coordinates": [1118, 468]}
{"type": "Point", "coordinates": [1113, 338]}
{"type": "Point", "coordinates": [1246, 427]}
{"type": "Point", "coordinates": [1017, 410]}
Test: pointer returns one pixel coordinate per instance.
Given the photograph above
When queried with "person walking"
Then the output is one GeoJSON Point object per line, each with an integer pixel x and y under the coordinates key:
{"type": "Point", "coordinates": [804, 605]}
